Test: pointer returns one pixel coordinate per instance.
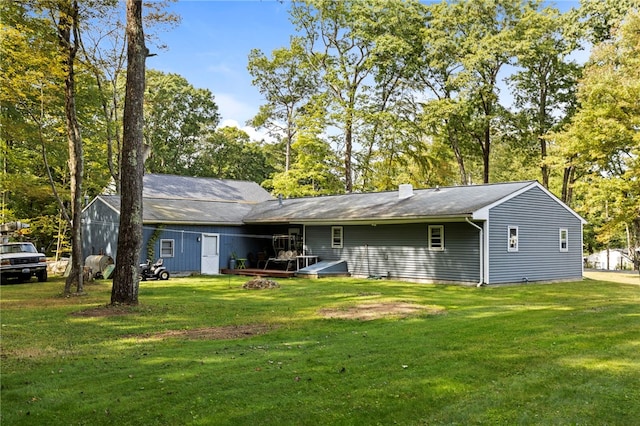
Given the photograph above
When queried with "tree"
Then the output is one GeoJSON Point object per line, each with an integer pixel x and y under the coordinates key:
{"type": "Point", "coordinates": [229, 153]}
{"type": "Point", "coordinates": [177, 119]}
{"type": "Point", "coordinates": [466, 46]}
{"type": "Point", "coordinates": [444, 112]}
{"type": "Point", "coordinates": [388, 133]}
{"type": "Point", "coordinates": [603, 140]}
{"type": "Point", "coordinates": [340, 52]}
{"type": "Point", "coordinates": [595, 20]}
{"type": "Point", "coordinates": [103, 46]}
{"type": "Point", "coordinates": [286, 81]}
{"type": "Point", "coordinates": [126, 279]}
{"type": "Point", "coordinates": [314, 169]}
{"type": "Point", "coordinates": [544, 87]}
{"type": "Point", "coordinates": [489, 30]}
{"type": "Point", "coordinates": [67, 24]}
{"type": "Point", "coordinates": [31, 103]}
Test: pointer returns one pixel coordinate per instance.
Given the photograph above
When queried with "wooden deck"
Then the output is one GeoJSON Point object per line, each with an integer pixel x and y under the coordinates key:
{"type": "Point", "coordinates": [254, 272]}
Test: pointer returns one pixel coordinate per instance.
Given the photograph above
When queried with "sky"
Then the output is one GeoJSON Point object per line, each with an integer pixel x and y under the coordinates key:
{"type": "Point", "coordinates": [211, 45]}
{"type": "Point", "coordinates": [210, 48]}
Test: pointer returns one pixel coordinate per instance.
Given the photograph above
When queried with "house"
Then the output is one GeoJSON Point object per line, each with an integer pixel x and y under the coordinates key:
{"type": "Point", "coordinates": [487, 234]}
{"type": "Point", "coordinates": [480, 234]}
{"type": "Point", "coordinates": [194, 224]}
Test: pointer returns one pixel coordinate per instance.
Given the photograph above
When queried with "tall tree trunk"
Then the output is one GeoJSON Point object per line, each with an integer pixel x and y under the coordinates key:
{"type": "Point", "coordinates": [126, 280]}
{"type": "Point", "coordinates": [544, 169]}
{"type": "Point", "coordinates": [486, 152]}
{"type": "Point", "coordinates": [455, 146]}
{"type": "Point", "coordinates": [567, 182]}
{"type": "Point", "coordinates": [348, 148]}
{"type": "Point", "coordinates": [542, 114]}
{"type": "Point", "coordinates": [68, 38]}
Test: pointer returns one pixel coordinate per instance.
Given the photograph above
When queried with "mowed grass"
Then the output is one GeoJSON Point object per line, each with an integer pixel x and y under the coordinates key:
{"type": "Point", "coordinates": [564, 353]}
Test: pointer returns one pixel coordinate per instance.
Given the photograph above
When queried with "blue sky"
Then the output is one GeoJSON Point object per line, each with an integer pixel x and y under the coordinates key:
{"type": "Point", "coordinates": [211, 45]}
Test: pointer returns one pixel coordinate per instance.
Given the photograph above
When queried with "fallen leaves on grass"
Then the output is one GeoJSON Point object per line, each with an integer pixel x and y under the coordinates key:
{"type": "Point", "coordinates": [259, 283]}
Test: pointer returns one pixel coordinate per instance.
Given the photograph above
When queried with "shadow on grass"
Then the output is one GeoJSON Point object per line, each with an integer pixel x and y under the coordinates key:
{"type": "Point", "coordinates": [535, 354]}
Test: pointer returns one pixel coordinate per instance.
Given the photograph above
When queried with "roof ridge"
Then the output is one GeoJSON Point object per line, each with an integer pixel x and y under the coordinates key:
{"type": "Point", "coordinates": [392, 191]}
{"type": "Point", "coordinates": [169, 175]}
{"type": "Point", "coordinates": [201, 200]}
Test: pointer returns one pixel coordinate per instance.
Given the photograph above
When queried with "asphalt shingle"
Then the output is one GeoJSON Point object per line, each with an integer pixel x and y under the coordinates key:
{"type": "Point", "coordinates": [456, 201]}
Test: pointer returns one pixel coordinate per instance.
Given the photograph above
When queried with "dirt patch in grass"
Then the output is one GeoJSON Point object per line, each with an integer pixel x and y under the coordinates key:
{"type": "Point", "coordinates": [107, 311]}
{"type": "Point", "coordinates": [371, 311]}
{"type": "Point", "coordinates": [215, 333]}
{"type": "Point", "coordinates": [205, 333]}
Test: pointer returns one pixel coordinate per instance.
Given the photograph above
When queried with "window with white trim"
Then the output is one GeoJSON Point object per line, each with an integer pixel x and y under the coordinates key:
{"type": "Point", "coordinates": [512, 238]}
{"type": "Point", "coordinates": [166, 248]}
{"type": "Point", "coordinates": [436, 237]}
{"type": "Point", "coordinates": [337, 236]}
{"type": "Point", "coordinates": [564, 239]}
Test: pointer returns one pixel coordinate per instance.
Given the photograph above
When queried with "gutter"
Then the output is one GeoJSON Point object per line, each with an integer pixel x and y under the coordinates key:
{"type": "Point", "coordinates": [481, 281]}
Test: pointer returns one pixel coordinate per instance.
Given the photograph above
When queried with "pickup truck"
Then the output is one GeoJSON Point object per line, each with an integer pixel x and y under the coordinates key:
{"type": "Point", "coordinates": [21, 261]}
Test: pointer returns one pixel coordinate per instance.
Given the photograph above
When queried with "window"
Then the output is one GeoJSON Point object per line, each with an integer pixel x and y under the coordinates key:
{"type": "Point", "coordinates": [512, 236]}
{"type": "Point", "coordinates": [166, 248]}
{"type": "Point", "coordinates": [564, 239]}
{"type": "Point", "coordinates": [436, 237]}
{"type": "Point", "coordinates": [336, 236]}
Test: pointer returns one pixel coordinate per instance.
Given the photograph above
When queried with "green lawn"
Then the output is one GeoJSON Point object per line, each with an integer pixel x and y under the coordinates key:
{"type": "Point", "coordinates": [531, 354]}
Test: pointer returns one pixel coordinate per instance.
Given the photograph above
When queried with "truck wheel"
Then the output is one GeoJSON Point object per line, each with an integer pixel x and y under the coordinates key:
{"type": "Point", "coordinates": [42, 276]}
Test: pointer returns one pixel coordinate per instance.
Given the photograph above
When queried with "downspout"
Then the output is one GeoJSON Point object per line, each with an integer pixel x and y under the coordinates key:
{"type": "Point", "coordinates": [481, 281]}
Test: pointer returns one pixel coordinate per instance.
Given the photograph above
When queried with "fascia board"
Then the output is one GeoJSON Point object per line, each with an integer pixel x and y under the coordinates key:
{"type": "Point", "coordinates": [374, 221]}
{"type": "Point", "coordinates": [189, 222]}
{"type": "Point", "coordinates": [103, 201]}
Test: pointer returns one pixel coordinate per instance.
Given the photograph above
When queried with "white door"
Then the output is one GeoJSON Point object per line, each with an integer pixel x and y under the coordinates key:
{"type": "Point", "coordinates": [210, 263]}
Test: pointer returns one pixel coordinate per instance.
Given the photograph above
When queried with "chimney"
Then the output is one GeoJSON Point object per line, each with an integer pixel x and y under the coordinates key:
{"type": "Point", "coordinates": [405, 190]}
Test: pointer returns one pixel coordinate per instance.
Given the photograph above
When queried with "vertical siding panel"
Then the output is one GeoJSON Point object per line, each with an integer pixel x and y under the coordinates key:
{"type": "Point", "coordinates": [100, 225]}
{"type": "Point", "coordinates": [188, 250]}
{"type": "Point", "coordinates": [539, 258]}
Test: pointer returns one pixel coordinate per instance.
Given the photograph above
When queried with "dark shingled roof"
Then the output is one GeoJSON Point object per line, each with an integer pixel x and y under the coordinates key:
{"type": "Point", "coordinates": [191, 212]}
{"type": "Point", "coordinates": [210, 189]}
{"type": "Point", "coordinates": [442, 203]}
{"type": "Point", "coordinates": [195, 201]}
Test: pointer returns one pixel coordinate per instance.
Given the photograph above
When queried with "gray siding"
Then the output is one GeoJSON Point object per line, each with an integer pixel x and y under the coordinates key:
{"type": "Point", "coordinates": [100, 225]}
{"type": "Point", "coordinates": [538, 218]}
{"type": "Point", "coordinates": [401, 251]}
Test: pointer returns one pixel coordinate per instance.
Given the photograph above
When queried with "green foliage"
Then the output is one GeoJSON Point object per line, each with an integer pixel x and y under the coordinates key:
{"type": "Point", "coordinates": [177, 119]}
{"type": "Point", "coordinates": [230, 154]}
{"type": "Point", "coordinates": [315, 167]}
{"type": "Point", "coordinates": [528, 354]}
{"type": "Point", "coordinates": [596, 20]}
{"type": "Point", "coordinates": [603, 140]}
{"type": "Point", "coordinates": [287, 82]}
